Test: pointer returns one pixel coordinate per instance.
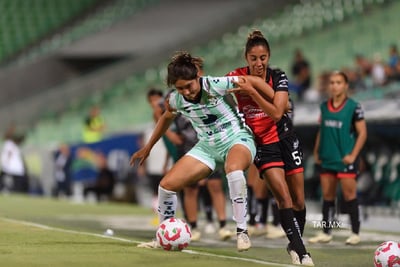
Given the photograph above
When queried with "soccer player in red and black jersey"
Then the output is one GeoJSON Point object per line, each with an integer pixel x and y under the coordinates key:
{"type": "Point", "coordinates": [279, 156]}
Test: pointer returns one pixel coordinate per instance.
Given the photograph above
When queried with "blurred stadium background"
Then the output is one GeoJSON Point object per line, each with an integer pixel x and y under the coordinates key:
{"type": "Point", "coordinates": [60, 57]}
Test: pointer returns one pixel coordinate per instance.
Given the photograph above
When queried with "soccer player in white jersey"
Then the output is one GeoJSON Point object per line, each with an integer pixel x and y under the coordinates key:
{"type": "Point", "coordinates": [223, 138]}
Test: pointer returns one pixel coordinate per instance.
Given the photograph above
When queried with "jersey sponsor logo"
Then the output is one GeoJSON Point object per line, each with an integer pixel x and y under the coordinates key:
{"type": "Point", "coordinates": [209, 118]}
{"type": "Point", "coordinates": [219, 129]}
{"type": "Point", "coordinates": [296, 144]}
{"type": "Point", "coordinates": [251, 111]}
{"type": "Point", "coordinates": [212, 100]}
{"type": "Point", "coordinates": [285, 128]}
{"type": "Point", "coordinates": [333, 124]}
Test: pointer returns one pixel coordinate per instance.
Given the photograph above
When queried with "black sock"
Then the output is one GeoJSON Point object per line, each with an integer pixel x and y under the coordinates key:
{"type": "Point", "coordinates": [193, 225]}
{"type": "Point", "coordinates": [222, 223]}
{"type": "Point", "coordinates": [354, 213]}
{"type": "Point", "coordinates": [300, 216]}
{"type": "Point", "coordinates": [240, 230]}
{"type": "Point", "coordinates": [262, 210]}
{"type": "Point", "coordinates": [207, 202]}
{"type": "Point", "coordinates": [290, 225]}
{"type": "Point", "coordinates": [251, 204]}
{"type": "Point", "coordinates": [328, 213]}
{"type": "Point", "coordinates": [275, 213]}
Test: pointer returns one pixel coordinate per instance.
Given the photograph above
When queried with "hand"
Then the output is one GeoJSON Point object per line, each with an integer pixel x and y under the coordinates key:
{"type": "Point", "coordinates": [317, 160]}
{"type": "Point", "coordinates": [348, 159]}
{"type": "Point", "coordinates": [243, 87]}
{"type": "Point", "coordinates": [141, 154]}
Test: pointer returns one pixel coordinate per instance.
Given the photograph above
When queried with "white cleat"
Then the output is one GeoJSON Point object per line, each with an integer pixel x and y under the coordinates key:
{"type": "Point", "coordinates": [209, 228]}
{"type": "Point", "coordinates": [151, 244]}
{"type": "Point", "coordinates": [196, 235]}
{"type": "Point", "coordinates": [225, 234]}
{"type": "Point", "coordinates": [274, 232]}
{"type": "Point", "coordinates": [306, 260]}
{"type": "Point", "coordinates": [293, 255]}
{"type": "Point", "coordinates": [243, 241]}
{"type": "Point", "coordinates": [257, 230]}
{"type": "Point", "coordinates": [354, 239]}
{"type": "Point", "coordinates": [320, 238]}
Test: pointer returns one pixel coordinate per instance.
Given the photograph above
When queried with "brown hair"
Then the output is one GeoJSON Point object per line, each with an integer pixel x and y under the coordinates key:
{"type": "Point", "coordinates": [256, 38]}
{"type": "Point", "coordinates": [341, 73]}
{"type": "Point", "coordinates": [183, 66]}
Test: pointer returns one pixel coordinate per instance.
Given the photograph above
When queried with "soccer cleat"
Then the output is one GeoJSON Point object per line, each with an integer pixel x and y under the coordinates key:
{"type": "Point", "coordinates": [306, 260]}
{"type": "Point", "coordinates": [225, 234]}
{"type": "Point", "coordinates": [293, 255]}
{"type": "Point", "coordinates": [152, 244]}
{"type": "Point", "coordinates": [196, 235]}
{"type": "Point", "coordinates": [320, 238]}
{"type": "Point", "coordinates": [243, 241]}
{"type": "Point", "coordinates": [274, 232]}
{"type": "Point", "coordinates": [354, 239]}
{"type": "Point", "coordinates": [258, 229]}
{"type": "Point", "coordinates": [251, 229]}
{"type": "Point", "coordinates": [209, 228]}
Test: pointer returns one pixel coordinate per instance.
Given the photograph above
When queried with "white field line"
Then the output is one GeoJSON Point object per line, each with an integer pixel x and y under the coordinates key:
{"type": "Point", "coordinates": [46, 227]}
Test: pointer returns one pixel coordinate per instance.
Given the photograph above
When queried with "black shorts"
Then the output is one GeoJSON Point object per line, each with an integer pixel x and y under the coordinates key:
{"type": "Point", "coordinates": [218, 173]}
{"type": "Point", "coordinates": [286, 154]}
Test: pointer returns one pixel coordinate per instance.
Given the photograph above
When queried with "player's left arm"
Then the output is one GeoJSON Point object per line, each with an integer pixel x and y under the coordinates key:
{"type": "Point", "coordinates": [361, 129]}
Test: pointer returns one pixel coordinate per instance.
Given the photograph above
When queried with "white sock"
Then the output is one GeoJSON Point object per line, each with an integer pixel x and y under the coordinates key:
{"type": "Point", "coordinates": [238, 195]}
{"type": "Point", "coordinates": [167, 202]}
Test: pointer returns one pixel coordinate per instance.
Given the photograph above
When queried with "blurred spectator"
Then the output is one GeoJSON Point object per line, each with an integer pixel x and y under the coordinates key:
{"type": "Point", "coordinates": [62, 172]}
{"type": "Point", "coordinates": [14, 176]}
{"type": "Point", "coordinates": [94, 126]}
{"type": "Point", "coordinates": [394, 56]}
{"type": "Point", "coordinates": [365, 182]}
{"type": "Point", "coordinates": [395, 76]}
{"type": "Point", "coordinates": [378, 74]}
{"type": "Point", "coordinates": [356, 81]}
{"type": "Point", "coordinates": [301, 72]}
{"type": "Point", "coordinates": [104, 185]}
{"type": "Point", "coordinates": [319, 91]}
{"type": "Point", "coordinates": [363, 65]}
{"type": "Point", "coordinates": [393, 67]}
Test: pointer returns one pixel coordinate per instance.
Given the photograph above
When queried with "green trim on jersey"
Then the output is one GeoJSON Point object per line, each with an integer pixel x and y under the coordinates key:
{"type": "Point", "coordinates": [337, 135]}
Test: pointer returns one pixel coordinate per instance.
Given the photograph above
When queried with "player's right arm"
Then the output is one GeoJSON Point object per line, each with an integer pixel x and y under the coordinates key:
{"type": "Point", "coordinates": [161, 127]}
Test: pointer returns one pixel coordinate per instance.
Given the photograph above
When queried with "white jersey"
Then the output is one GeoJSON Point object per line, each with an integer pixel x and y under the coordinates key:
{"type": "Point", "coordinates": [213, 117]}
{"type": "Point", "coordinates": [156, 159]}
{"type": "Point", "coordinates": [11, 159]}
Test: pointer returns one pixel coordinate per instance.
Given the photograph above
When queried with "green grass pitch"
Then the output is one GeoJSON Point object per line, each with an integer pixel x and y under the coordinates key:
{"type": "Point", "coordinates": [45, 232]}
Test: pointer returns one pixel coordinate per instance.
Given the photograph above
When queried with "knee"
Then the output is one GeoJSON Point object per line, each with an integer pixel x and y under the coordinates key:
{"type": "Point", "coordinates": [284, 201]}
{"type": "Point", "coordinates": [168, 185]}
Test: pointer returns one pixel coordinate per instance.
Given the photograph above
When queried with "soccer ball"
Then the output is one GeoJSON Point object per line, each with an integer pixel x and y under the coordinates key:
{"type": "Point", "coordinates": [173, 234]}
{"type": "Point", "coordinates": [387, 254]}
